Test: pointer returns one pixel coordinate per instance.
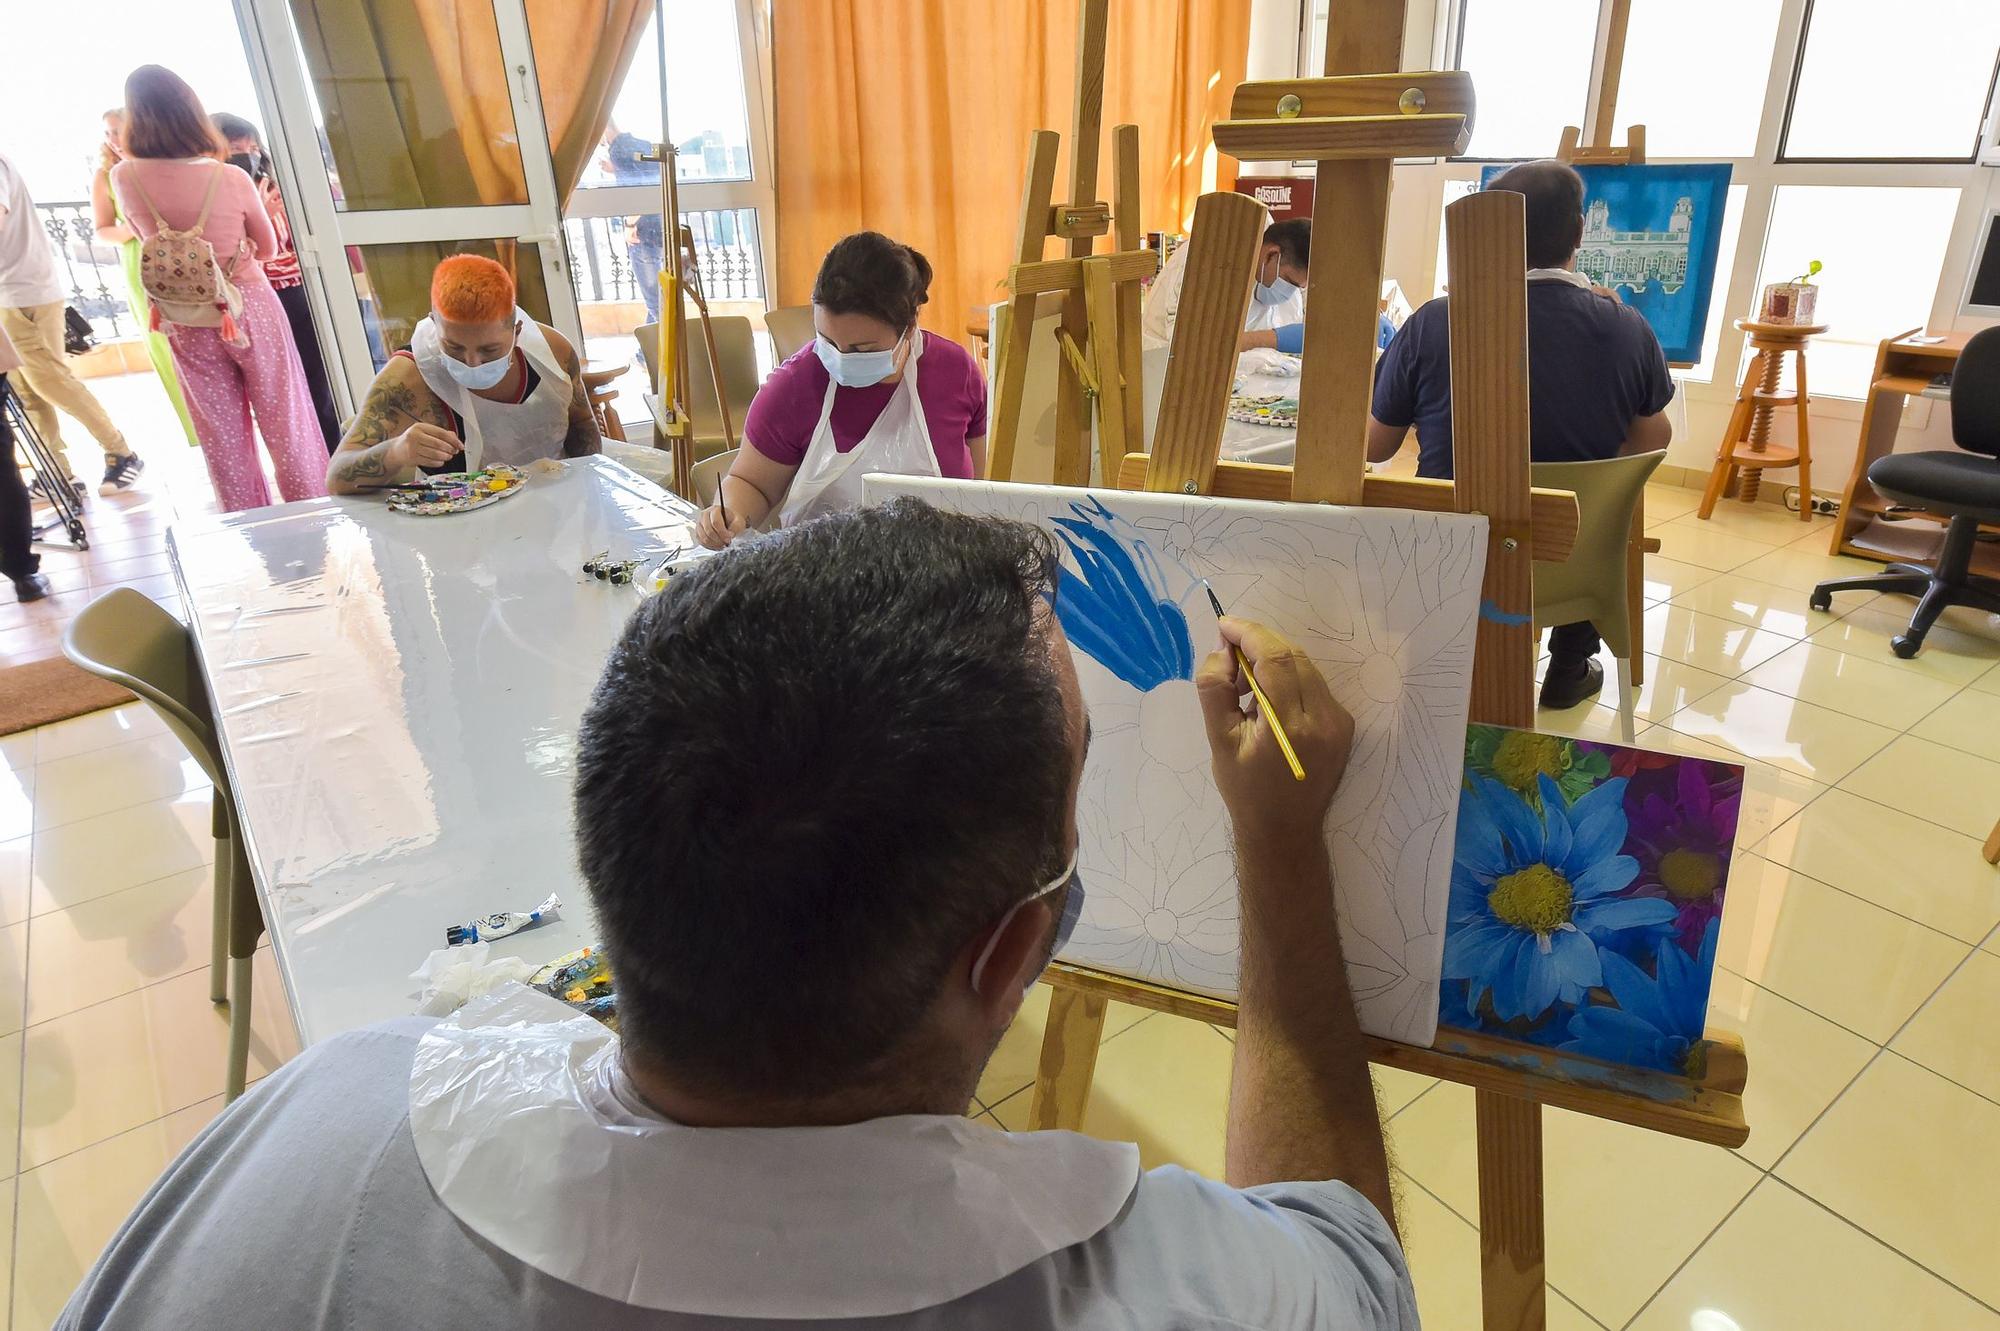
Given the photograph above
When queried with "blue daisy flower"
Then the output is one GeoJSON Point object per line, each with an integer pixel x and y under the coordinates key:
{"type": "Point", "coordinates": [1658, 1018]}
{"type": "Point", "coordinates": [1533, 895]}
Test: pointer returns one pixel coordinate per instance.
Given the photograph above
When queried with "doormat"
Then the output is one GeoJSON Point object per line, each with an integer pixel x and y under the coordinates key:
{"type": "Point", "coordinates": [42, 692]}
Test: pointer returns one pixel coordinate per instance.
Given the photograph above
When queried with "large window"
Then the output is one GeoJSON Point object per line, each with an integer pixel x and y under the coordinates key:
{"type": "Point", "coordinates": [1710, 113]}
{"type": "Point", "coordinates": [1530, 67]}
{"type": "Point", "coordinates": [1879, 81]}
{"type": "Point", "coordinates": [1869, 289]}
{"type": "Point", "coordinates": [700, 68]}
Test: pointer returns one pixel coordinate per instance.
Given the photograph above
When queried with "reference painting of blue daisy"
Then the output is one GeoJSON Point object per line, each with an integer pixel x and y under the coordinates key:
{"type": "Point", "coordinates": [1559, 931]}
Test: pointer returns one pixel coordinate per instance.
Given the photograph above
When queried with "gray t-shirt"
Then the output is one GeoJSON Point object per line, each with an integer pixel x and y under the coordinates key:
{"type": "Point", "coordinates": [305, 1205]}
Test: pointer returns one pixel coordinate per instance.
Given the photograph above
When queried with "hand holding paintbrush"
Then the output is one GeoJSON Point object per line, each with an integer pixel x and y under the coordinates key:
{"type": "Point", "coordinates": [1281, 761]}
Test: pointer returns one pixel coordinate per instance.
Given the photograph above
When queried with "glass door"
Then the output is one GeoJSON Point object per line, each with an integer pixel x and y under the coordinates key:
{"type": "Point", "coordinates": [414, 129]}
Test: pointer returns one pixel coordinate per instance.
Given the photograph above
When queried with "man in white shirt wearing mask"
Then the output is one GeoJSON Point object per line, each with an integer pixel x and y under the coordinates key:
{"type": "Point", "coordinates": [1277, 315]}
{"type": "Point", "coordinates": [825, 882]}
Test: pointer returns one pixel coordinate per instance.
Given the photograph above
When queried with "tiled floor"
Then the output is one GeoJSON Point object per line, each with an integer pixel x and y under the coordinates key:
{"type": "Point", "coordinates": [1868, 1195]}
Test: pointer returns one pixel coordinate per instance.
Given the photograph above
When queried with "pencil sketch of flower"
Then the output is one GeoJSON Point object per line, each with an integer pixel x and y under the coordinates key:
{"type": "Point", "coordinates": [1165, 909]}
{"type": "Point", "coordinates": [1388, 936]}
{"type": "Point", "coordinates": [1535, 893]}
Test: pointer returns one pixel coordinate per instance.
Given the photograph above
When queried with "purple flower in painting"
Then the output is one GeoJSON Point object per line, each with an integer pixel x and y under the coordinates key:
{"type": "Point", "coordinates": [1682, 829]}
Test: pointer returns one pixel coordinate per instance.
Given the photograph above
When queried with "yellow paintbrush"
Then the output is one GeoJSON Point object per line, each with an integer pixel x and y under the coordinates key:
{"type": "Point", "coordinates": [1270, 712]}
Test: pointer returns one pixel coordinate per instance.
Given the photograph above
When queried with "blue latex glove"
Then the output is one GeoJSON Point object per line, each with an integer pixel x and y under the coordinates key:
{"type": "Point", "coordinates": [1291, 337]}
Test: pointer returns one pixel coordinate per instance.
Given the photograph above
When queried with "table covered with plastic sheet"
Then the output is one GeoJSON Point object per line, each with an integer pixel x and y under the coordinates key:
{"type": "Point", "coordinates": [397, 698]}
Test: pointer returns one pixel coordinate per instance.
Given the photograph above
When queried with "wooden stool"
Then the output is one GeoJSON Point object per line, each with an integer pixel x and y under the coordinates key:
{"type": "Point", "coordinates": [1746, 447]}
{"type": "Point", "coordinates": [597, 382]}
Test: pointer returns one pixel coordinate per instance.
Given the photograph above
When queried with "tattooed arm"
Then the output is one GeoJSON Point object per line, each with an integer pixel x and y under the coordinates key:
{"type": "Point", "coordinates": [582, 438]}
{"type": "Point", "coordinates": [402, 426]}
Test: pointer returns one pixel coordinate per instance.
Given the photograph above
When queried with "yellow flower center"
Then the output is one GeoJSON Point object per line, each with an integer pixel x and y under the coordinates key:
{"type": "Point", "coordinates": [1521, 757]}
{"type": "Point", "coordinates": [1690, 875]}
{"type": "Point", "coordinates": [1536, 898]}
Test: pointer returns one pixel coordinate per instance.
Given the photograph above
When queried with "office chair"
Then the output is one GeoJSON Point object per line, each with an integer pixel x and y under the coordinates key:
{"type": "Point", "coordinates": [1963, 486]}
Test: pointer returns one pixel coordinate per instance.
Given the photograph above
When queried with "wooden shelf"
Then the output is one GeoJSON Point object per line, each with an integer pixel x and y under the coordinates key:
{"type": "Point", "coordinates": [1908, 385]}
{"type": "Point", "coordinates": [1774, 455]}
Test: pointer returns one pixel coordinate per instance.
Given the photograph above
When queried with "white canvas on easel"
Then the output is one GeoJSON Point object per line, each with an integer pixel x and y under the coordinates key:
{"type": "Point", "coordinates": [1385, 601]}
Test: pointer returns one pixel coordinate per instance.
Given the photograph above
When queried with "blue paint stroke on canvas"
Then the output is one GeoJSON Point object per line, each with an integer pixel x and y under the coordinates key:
{"type": "Point", "coordinates": [1587, 888]}
{"type": "Point", "coordinates": [1115, 606]}
{"type": "Point", "coordinates": [1653, 234]}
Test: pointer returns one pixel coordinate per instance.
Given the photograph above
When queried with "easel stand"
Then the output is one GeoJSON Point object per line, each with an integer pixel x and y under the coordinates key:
{"type": "Point", "coordinates": [1355, 126]}
{"type": "Point", "coordinates": [66, 514]}
{"type": "Point", "coordinates": [1099, 336]}
{"type": "Point", "coordinates": [681, 272]}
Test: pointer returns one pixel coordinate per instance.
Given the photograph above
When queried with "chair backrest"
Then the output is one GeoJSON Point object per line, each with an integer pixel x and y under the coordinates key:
{"type": "Point", "coordinates": [1975, 394]}
{"type": "Point", "coordinates": [736, 346]}
{"type": "Point", "coordinates": [1590, 584]}
{"type": "Point", "coordinates": [790, 327]}
{"type": "Point", "coordinates": [708, 474]}
{"type": "Point", "coordinates": [129, 639]}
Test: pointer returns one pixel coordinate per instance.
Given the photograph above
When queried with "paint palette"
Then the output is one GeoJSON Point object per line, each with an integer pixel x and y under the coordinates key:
{"type": "Point", "coordinates": [1278, 412]}
{"type": "Point", "coordinates": [457, 491]}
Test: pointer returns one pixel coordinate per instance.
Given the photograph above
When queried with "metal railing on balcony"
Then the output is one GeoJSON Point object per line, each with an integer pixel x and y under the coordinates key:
{"type": "Point", "coordinates": [92, 274]}
{"type": "Point", "coordinates": [607, 254]}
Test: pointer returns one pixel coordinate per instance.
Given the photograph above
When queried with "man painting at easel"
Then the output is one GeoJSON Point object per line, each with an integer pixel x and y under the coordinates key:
{"type": "Point", "coordinates": [1597, 382]}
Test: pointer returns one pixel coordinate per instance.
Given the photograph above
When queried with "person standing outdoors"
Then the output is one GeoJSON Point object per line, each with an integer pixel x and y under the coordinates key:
{"type": "Point", "coordinates": [646, 233]}
{"type": "Point", "coordinates": [111, 229]}
{"type": "Point", "coordinates": [31, 314]}
{"type": "Point", "coordinates": [173, 176]}
{"type": "Point", "coordinates": [288, 282]}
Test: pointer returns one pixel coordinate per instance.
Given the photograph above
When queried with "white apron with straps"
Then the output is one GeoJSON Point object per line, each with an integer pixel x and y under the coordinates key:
{"type": "Point", "coordinates": [899, 442]}
{"type": "Point", "coordinates": [497, 432]}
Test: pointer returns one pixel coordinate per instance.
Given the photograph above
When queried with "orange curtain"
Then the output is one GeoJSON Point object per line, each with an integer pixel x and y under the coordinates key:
{"type": "Point", "coordinates": [912, 117]}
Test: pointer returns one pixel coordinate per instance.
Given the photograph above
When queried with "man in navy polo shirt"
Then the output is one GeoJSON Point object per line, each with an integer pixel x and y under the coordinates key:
{"type": "Point", "coordinates": [1597, 382]}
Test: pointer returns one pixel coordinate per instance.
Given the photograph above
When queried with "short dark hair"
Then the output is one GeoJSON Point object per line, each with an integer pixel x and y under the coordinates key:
{"type": "Point", "coordinates": [1555, 208]}
{"type": "Point", "coordinates": [815, 766]}
{"type": "Point", "coordinates": [1294, 239]}
{"type": "Point", "coordinates": [233, 127]}
{"type": "Point", "coordinates": [868, 273]}
{"type": "Point", "coordinates": [164, 118]}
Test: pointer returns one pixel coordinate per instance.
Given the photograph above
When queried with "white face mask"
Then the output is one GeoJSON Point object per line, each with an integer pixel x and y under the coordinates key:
{"type": "Point", "coordinates": [1072, 911]}
{"type": "Point", "coordinates": [855, 369]}
{"type": "Point", "coordinates": [1277, 293]}
{"type": "Point", "coordinates": [487, 374]}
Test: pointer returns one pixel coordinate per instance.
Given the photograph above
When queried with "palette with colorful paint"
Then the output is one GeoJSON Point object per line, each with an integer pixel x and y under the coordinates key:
{"type": "Point", "coordinates": [456, 491]}
{"type": "Point", "coordinates": [1278, 412]}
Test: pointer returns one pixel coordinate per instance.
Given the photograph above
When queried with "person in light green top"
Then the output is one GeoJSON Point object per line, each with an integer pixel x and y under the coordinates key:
{"type": "Point", "coordinates": [112, 230]}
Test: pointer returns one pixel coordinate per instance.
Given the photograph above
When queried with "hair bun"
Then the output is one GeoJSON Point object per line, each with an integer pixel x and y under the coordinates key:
{"type": "Point", "coordinates": [920, 288]}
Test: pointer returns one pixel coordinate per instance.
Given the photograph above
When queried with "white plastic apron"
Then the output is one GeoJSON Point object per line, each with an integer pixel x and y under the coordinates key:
{"type": "Point", "coordinates": [497, 432]}
{"type": "Point", "coordinates": [829, 481]}
{"type": "Point", "coordinates": [530, 1133]}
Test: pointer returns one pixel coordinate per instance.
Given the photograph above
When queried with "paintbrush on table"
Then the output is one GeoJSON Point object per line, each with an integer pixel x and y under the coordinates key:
{"type": "Point", "coordinates": [1257, 691]}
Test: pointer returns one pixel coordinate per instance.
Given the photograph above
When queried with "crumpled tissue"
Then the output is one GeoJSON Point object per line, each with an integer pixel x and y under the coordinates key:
{"type": "Point", "coordinates": [453, 976]}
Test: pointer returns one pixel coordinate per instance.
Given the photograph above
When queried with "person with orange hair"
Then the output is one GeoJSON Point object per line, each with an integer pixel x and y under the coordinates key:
{"type": "Point", "coordinates": [480, 383]}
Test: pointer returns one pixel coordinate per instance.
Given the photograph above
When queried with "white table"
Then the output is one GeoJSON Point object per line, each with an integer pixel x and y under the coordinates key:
{"type": "Point", "coordinates": [398, 700]}
{"type": "Point", "coordinates": [1244, 442]}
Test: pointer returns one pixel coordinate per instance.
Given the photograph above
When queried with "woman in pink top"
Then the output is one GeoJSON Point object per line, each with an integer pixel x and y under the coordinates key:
{"type": "Point", "coordinates": [872, 393]}
{"type": "Point", "coordinates": [172, 157]}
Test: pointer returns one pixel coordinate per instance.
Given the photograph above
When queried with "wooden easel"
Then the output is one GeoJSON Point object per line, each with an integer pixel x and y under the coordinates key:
{"type": "Point", "coordinates": [1355, 121]}
{"type": "Point", "coordinates": [1099, 336]}
{"type": "Point", "coordinates": [680, 272]}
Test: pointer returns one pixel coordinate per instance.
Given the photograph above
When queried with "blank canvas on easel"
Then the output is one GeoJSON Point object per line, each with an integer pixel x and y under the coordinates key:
{"type": "Point", "coordinates": [1385, 601]}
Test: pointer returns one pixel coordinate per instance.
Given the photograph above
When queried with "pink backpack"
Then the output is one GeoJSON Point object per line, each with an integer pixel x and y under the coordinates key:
{"type": "Point", "coordinates": [181, 276]}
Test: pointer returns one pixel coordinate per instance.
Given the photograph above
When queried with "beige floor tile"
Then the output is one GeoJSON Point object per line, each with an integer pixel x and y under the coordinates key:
{"type": "Point", "coordinates": [1395, 1089]}
{"type": "Point", "coordinates": [1914, 1160]}
{"type": "Point", "coordinates": [1012, 1066]}
{"type": "Point", "coordinates": [17, 801]}
{"type": "Point", "coordinates": [10, 1107]}
{"type": "Point", "coordinates": [1664, 503]}
{"type": "Point", "coordinates": [1970, 721]}
{"type": "Point", "coordinates": [1945, 786]}
{"type": "Point", "coordinates": [137, 772]}
{"type": "Point", "coordinates": [15, 862]}
{"type": "Point", "coordinates": [1692, 541]}
{"type": "Point", "coordinates": [18, 750]}
{"type": "Point", "coordinates": [69, 1209]}
{"type": "Point", "coordinates": [1719, 646]}
{"type": "Point", "coordinates": [1838, 956]}
{"type": "Point", "coordinates": [1988, 682]}
{"type": "Point", "coordinates": [1948, 656]}
{"type": "Point", "coordinates": [1801, 567]}
{"type": "Point", "coordinates": [1599, 1198]}
{"type": "Point", "coordinates": [1771, 795]}
{"type": "Point", "coordinates": [1764, 605]}
{"type": "Point", "coordinates": [98, 730]}
{"type": "Point", "coordinates": [1597, 721]}
{"type": "Point", "coordinates": [1799, 1062]}
{"type": "Point", "coordinates": [1896, 860]}
{"type": "Point", "coordinates": [1164, 1084]}
{"type": "Point", "coordinates": [95, 856]}
{"type": "Point", "coordinates": [1671, 685]}
{"type": "Point", "coordinates": [1442, 1248]}
{"type": "Point", "coordinates": [1818, 743]}
{"type": "Point", "coordinates": [1770, 524]}
{"type": "Point", "coordinates": [1858, 686]}
{"type": "Point", "coordinates": [1954, 1035]}
{"type": "Point", "coordinates": [1666, 577]}
{"type": "Point", "coordinates": [109, 1068]}
{"type": "Point", "coordinates": [113, 944]}
{"type": "Point", "coordinates": [13, 976]}
{"type": "Point", "coordinates": [1782, 1262]}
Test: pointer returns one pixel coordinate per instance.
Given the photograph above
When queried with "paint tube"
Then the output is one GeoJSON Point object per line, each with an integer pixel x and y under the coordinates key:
{"type": "Point", "coordinates": [501, 923]}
